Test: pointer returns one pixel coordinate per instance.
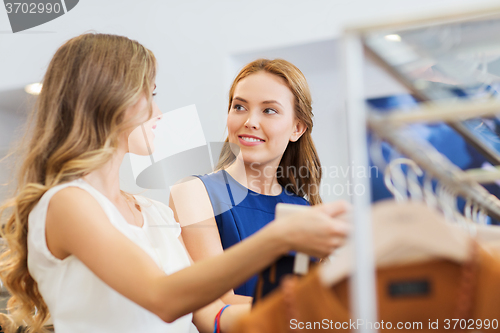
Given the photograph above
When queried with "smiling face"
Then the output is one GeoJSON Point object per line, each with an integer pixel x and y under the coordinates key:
{"type": "Point", "coordinates": [141, 139]}
{"type": "Point", "coordinates": [262, 119]}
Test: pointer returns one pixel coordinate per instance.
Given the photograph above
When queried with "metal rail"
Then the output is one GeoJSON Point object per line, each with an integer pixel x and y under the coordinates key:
{"type": "Point", "coordinates": [436, 164]}
{"type": "Point", "coordinates": [471, 139]}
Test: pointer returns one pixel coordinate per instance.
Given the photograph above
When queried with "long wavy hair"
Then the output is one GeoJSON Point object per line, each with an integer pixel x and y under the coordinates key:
{"type": "Point", "coordinates": [76, 125]}
{"type": "Point", "coordinates": [298, 155]}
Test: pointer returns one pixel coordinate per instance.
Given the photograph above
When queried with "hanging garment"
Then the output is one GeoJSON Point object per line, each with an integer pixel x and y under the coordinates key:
{"type": "Point", "coordinates": [422, 296]}
{"type": "Point", "coordinates": [429, 272]}
{"type": "Point", "coordinates": [240, 212]}
{"type": "Point", "coordinates": [270, 278]}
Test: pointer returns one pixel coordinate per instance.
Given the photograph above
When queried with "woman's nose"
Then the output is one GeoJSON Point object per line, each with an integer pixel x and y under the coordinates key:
{"type": "Point", "coordinates": [252, 121]}
{"type": "Point", "coordinates": [156, 112]}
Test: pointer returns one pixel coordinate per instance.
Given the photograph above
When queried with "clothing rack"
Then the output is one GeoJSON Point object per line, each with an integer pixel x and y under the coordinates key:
{"type": "Point", "coordinates": [432, 112]}
{"type": "Point", "coordinates": [438, 166]}
{"type": "Point", "coordinates": [363, 297]}
{"type": "Point", "coordinates": [421, 96]}
{"type": "Point", "coordinates": [362, 287]}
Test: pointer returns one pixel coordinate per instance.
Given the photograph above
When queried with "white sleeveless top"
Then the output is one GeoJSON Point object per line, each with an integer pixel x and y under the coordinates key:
{"type": "Point", "coordinates": [80, 302]}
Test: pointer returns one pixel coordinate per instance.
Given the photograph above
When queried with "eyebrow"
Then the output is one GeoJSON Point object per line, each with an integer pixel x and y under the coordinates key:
{"type": "Point", "coordinates": [264, 102]}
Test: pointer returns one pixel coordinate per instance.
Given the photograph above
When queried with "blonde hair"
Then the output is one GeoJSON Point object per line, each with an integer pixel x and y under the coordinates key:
{"type": "Point", "coordinates": [299, 154]}
{"type": "Point", "coordinates": [79, 116]}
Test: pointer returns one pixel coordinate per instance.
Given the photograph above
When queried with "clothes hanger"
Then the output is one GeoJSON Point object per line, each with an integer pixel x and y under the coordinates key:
{"type": "Point", "coordinates": [468, 210]}
{"type": "Point", "coordinates": [376, 152]}
{"type": "Point", "coordinates": [301, 261]}
{"type": "Point", "coordinates": [474, 219]}
{"type": "Point", "coordinates": [408, 187]}
{"type": "Point", "coordinates": [444, 202]}
{"type": "Point", "coordinates": [482, 217]}
{"type": "Point", "coordinates": [429, 195]}
{"type": "Point", "coordinates": [404, 187]}
{"type": "Point", "coordinates": [486, 235]}
{"type": "Point", "coordinates": [450, 200]}
{"type": "Point", "coordinates": [395, 179]}
{"type": "Point", "coordinates": [404, 233]}
{"type": "Point", "coordinates": [414, 187]}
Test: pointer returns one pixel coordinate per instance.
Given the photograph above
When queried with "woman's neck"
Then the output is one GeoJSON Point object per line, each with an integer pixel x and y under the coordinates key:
{"type": "Point", "coordinates": [260, 178]}
{"type": "Point", "coordinates": [106, 179]}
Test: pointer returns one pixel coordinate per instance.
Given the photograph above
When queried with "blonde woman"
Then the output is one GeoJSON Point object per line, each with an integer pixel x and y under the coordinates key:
{"type": "Point", "coordinates": [269, 158]}
{"type": "Point", "coordinates": [97, 259]}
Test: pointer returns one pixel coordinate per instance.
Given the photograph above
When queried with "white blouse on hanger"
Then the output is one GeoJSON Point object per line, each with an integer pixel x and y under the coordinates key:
{"type": "Point", "coordinates": [80, 302]}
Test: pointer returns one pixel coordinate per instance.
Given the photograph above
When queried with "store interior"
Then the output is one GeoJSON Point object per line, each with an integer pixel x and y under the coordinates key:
{"type": "Point", "coordinates": [405, 102]}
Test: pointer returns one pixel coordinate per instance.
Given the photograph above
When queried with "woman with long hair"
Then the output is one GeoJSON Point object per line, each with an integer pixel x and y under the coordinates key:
{"type": "Point", "coordinates": [269, 158]}
{"type": "Point", "coordinates": [94, 258]}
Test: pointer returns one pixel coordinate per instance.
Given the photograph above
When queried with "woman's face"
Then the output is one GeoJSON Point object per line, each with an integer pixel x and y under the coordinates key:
{"type": "Point", "coordinates": [141, 139]}
{"type": "Point", "coordinates": [262, 119]}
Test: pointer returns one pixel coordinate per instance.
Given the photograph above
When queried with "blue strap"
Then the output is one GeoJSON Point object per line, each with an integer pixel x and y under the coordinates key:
{"type": "Point", "coordinates": [228, 188]}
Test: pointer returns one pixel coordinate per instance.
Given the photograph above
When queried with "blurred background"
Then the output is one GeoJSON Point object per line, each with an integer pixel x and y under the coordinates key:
{"type": "Point", "coordinates": [201, 45]}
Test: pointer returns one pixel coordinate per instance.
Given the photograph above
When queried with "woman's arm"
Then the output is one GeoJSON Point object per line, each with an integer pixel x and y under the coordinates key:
{"type": "Point", "coordinates": [77, 225]}
{"type": "Point", "coordinates": [199, 229]}
{"type": "Point", "coordinates": [204, 317]}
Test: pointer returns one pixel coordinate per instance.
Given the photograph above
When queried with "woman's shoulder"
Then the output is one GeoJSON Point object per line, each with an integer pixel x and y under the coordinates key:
{"type": "Point", "coordinates": [161, 214]}
{"type": "Point", "coordinates": [213, 183]}
{"type": "Point", "coordinates": [189, 187]}
{"type": "Point", "coordinates": [72, 189]}
{"type": "Point", "coordinates": [153, 206]}
{"type": "Point", "coordinates": [290, 197]}
{"type": "Point", "coordinates": [218, 176]}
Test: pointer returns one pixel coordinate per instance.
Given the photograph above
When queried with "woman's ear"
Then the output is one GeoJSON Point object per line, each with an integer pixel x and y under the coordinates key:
{"type": "Point", "coordinates": [299, 129]}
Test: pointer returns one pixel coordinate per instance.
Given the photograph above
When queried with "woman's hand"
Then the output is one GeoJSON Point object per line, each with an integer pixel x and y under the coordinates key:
{"type": "Point", "coordinates": [316, 231]}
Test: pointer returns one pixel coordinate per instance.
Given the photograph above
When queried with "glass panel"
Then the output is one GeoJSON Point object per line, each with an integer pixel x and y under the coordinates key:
{"type": "Point", "coordinates": [453, 60]}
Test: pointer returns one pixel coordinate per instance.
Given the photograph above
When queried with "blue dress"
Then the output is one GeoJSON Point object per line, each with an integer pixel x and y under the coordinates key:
{"type": "Point", "coordinates": [240, 212]}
